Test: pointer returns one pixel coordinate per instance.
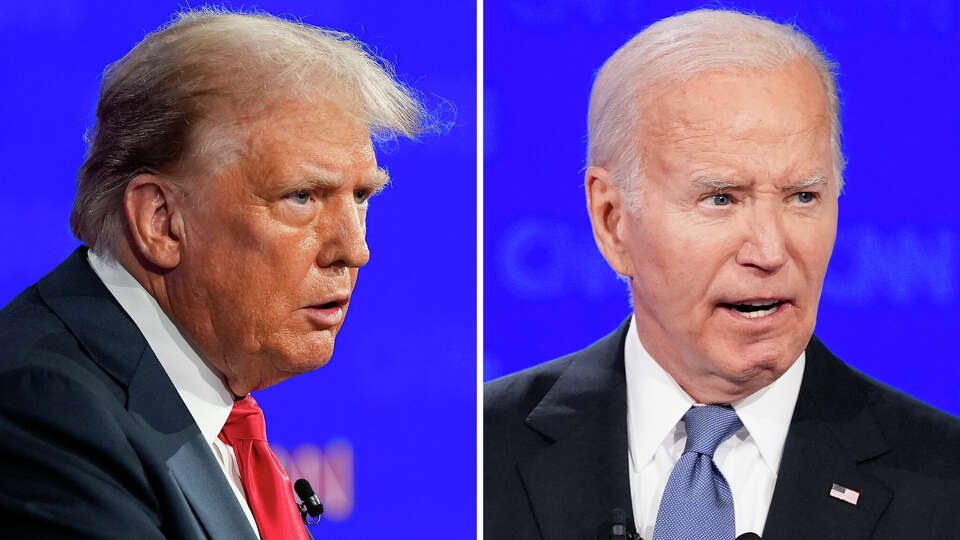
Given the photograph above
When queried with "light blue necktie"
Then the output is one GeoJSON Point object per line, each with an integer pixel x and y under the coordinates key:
{"type": "Point", "coordinates": [697, 503]}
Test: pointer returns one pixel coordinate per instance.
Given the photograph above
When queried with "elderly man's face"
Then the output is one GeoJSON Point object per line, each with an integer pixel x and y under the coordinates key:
{"type": "Point", "coordinates": [273, 243]}
{"type": "Point", "coordinates": [728, 250]}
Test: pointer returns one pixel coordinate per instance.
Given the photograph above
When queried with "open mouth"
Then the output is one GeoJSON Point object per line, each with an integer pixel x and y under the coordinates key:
{"type": "Point", "coordinates": [755, 310]}
{"type": "Point", "coordinates": [327, 314]}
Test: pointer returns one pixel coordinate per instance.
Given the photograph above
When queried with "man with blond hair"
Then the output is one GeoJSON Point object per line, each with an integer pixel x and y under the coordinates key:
{"type": "Point", "coordinates": [714, 168]}
{"type": "Point", "coordinates": [222, 206]}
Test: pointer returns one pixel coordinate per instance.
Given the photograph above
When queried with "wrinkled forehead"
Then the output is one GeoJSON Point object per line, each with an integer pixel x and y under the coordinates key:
{"type": "Point", "coordinates": [742, 127]}
{"type": "Point", "coordinates": [323, 133]}
{"type": "Point", "coordinates": [291, 122]}
{"type": "Point", "coordinates": [738, 102]}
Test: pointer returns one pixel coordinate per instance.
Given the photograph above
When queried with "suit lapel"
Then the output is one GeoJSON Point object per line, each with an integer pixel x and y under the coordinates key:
{"type": "Point", "coordinates": [177, 439]}
{"type": "Point", "coordinates": [832, 431]}
{"type": "Point", "coordinates": [209, 496]}
{"type": "Point", "coordinates": [576, 481]}
{"type": "Point", "coordinates": [94, 317]}
{"type": "Point", "coordinates": [111, 338]}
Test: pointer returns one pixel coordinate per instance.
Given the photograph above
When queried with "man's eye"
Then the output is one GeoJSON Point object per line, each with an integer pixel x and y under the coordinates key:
{"type": "Point", "coordinates": [362, 195]}
{"type": "Point", "coordinates": [720, 199]}
{"type": "Point", "coordinates": [300, 197]}
{"type": "Point", "coordinates": [806, 197]}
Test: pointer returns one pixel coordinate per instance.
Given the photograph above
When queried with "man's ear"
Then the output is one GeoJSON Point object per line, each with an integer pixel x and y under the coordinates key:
{"type": "Point", "coordinates": [152, 206]}
{"type": "Point", "coordinates": [608, 217]}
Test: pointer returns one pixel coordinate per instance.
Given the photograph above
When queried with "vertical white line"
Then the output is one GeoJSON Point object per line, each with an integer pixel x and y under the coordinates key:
{"type": "Point", "coordinates": [479, 269]}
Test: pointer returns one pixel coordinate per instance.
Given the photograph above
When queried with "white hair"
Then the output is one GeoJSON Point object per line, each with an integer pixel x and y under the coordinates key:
{"type": "Point", "coordinates": [177, 98]}
{"type": "Point", "coordinates": [675, 49]}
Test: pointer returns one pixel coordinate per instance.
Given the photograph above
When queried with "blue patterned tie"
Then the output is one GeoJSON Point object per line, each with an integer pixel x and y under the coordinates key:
{"type": "Point", "coordinates": [697, 503]}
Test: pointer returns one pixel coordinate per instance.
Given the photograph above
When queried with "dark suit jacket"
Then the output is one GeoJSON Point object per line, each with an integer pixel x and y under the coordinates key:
{"type": "Point", "coordinates": [555, 454]}
{"type": "Point", "coordinates": [95, 442]}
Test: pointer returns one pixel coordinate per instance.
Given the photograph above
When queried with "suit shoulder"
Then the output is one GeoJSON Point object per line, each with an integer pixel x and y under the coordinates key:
{"type": "Point", "coordinates": [925, 441]}
{"type": "Point", "coordinates": [72, 455]}
{"type": "Point", "coordinates": [521, 391]}
{"type": "Point", "coordinates": [28, 327]}
{"type": "Point", "coordinates": [25, 318]}
{"type": "Point", "coordinates": [919, 430]}
{"type": "Point", "coordinates": [47, 379]}
{"type": "Point", "coordinates": [524, 389]}
{"type": "Point", "coordinates": [34, 339]}
{"type": "Point", "coordinates": [912, 421]}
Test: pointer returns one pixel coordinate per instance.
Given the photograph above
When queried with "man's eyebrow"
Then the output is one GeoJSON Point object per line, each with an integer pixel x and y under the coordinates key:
{"type": "Point", "coordinates": [329, 179]}
{"type": "Point", "coordinates": [814, 180]}
{"type": "Point", "coordinates": [378, 179]}
{"type": "Point", "coordinates": [716, 184]}
{"type": "Point", "coordinates": [719, 184]}
{"type": "Point", "coordinates": [320, 178]}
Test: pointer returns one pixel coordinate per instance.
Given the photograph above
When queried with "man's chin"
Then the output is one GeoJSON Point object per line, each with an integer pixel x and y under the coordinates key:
{"type": "Point", "coordinates": [286, 368]}
{"type": "Point", "coordinates": [310, 358]}
{"type": "Point", "coordinates": [307, 353]}
{"type": "Point", "coordinates": [760, 362]}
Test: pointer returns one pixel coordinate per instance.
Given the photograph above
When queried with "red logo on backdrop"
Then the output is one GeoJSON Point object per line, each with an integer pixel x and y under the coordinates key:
{"type": "Point", "coordinates": [329, 471]}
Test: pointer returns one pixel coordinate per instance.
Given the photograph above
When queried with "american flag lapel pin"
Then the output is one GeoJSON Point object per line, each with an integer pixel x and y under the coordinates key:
{"type": "Point", "coordinates": [845, 494]}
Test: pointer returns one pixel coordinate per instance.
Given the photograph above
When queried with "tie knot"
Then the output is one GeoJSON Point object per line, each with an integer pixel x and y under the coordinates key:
{"type": "Point", "coordinates": [708, 426]}
{"type": "Point", "coordinates": [245, 422]}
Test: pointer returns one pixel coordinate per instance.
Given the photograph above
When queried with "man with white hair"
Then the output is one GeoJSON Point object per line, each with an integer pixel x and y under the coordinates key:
{"type": "Point", "coordinates": [714, 169]}
{"type": "Point", "coordinates": [222, 206]}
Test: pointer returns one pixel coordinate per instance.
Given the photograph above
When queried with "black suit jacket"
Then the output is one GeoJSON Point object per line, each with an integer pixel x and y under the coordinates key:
{"type": "Point", "coordinates": [555, 454]}
{"type": "Point", "coordinates": [95, 442]}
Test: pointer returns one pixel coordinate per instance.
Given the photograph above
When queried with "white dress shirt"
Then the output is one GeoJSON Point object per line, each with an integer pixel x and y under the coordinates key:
{"type": "Point", "coordinates": [203, 392]}
{"type": "Point", "coordinates": [749, 459]}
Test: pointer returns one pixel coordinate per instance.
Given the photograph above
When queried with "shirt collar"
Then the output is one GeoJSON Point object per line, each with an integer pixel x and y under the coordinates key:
{"type": "Point", "coordinates": [767, 412]}
{"type": "Point", "coordinates": [656, 404]}
{"type": "Point", "coordinates": [203, 392]}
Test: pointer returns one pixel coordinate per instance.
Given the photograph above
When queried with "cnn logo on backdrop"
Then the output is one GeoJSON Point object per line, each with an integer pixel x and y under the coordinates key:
{"type": "Point", "coordinates": [329, 470]}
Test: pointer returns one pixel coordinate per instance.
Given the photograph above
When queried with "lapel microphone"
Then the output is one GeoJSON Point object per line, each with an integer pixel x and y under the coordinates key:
{"type": "Point", "coordinates": [618, 526]}
{"type": "Point", "coordinates": [311, 505]}
{"type": "Point", "coordinates": [619, 531]}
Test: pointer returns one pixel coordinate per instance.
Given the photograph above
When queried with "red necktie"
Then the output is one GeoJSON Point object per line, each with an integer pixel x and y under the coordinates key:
{"type": "Point", "coordinates": [266, 485]}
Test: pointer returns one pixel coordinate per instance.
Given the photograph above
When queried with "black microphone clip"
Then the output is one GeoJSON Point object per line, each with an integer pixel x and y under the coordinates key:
{"type": "Point", "coordinates": [311, 505]}
{"type": "Point", "coordinates": [618, 526]}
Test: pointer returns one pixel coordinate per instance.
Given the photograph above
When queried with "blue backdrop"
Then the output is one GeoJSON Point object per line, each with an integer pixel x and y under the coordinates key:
{"type": "Point", "coordinates": [891, 301]}
{"type": "Point", "coordinates": [386, 430]}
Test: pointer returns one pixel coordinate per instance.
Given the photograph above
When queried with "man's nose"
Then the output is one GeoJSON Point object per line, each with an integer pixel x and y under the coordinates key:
{"type": "Point", "coordinates": [765, 242]}
{"type": "Point", "coordinates": [345, 237]}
